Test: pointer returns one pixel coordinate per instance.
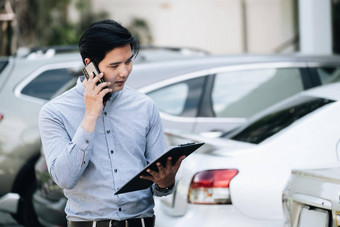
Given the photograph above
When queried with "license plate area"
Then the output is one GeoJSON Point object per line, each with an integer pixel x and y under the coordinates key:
{"type": "Point", "coordinates": [310, 216]}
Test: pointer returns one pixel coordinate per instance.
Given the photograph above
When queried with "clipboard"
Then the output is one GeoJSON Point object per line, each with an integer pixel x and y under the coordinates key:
{"type": "Point", "coordinates": [136, 183]}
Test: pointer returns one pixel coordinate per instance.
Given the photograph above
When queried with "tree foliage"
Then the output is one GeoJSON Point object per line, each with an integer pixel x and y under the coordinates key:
{"type": "Point", "coordinates": [46, 23]}
{"type": "Point", "coordinates": [40, 23]}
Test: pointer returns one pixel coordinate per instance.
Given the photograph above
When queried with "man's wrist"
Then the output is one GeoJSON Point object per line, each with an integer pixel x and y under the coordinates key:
{"type": "Point", "coordinates": [166, 189]}
{"type": "Point", "coordinates": [89, 122]}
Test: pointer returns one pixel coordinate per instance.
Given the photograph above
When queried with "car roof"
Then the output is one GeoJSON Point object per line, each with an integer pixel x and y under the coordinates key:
{"type": "Point", "coordinates": [153, 71]}
{"type": "Point", "coordinates": [157, 58]}
{"type": "Point", "coordinates": [158, 71]}
{"type": "Point", "coordinates": [328, 91]}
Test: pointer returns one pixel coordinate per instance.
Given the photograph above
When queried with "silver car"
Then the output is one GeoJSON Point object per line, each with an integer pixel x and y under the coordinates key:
{"type": "Point", "coordinates": [26, 83]}
{"type": "Point", "coordinates": [311, 197]}
{"type": "Point", "coordinates": [200, 94]}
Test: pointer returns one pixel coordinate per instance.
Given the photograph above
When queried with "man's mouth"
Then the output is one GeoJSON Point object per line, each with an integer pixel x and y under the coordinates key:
{"type": "Point", "coordinates": [120, 83]}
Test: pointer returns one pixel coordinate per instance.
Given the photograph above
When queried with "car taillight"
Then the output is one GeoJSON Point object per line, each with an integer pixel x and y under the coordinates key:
{"type": "Point", "coordinates": [1, 117]}
{"type": "Point", "coordinates": [211, 186]}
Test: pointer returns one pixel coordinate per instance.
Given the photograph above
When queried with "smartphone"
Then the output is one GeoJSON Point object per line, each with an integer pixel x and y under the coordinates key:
{"type": "Point", "coordinates": [92, 68]}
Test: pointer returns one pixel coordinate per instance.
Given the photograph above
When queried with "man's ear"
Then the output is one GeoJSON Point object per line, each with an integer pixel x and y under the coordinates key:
{"type": "Point", "coordinates": [87, 61]}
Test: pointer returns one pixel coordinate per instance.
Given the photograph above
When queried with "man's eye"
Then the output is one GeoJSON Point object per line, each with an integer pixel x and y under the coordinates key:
{"type": "Point", "coordinates": [114, 66]}
{"type": "Point", "coordinates": [128, 61]}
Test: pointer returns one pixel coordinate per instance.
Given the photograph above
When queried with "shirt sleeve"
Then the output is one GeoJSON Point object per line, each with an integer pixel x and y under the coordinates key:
{"type": "Point", "coordinates": [66, 157]}
{"type": "Point", "coordinates": [155, 140]}
{"type": "Point", "coordinates": [156, 144]}
{"type": "Point", "coordinates": [160, 194]}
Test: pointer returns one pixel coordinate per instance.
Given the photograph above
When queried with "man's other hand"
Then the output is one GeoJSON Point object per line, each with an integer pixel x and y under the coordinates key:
{"type": "Point", "coordinates": [165, 177]}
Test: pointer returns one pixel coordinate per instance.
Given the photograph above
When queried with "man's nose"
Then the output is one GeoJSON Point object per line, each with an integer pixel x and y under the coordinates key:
{"type": "Point", "coordinates": [124, 71]}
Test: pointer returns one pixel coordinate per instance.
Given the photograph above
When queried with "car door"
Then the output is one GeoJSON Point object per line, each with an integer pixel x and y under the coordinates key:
{"type": "Point", "coordinates": [237, 93]}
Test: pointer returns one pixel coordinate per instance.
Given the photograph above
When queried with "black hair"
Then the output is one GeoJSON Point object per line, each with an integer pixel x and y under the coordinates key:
{"type": "Point", "coordinates": [103, 36]}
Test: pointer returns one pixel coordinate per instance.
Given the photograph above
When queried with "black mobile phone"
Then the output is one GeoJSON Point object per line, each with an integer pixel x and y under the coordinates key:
{"type": "Point", "coordinates": [92, 68]}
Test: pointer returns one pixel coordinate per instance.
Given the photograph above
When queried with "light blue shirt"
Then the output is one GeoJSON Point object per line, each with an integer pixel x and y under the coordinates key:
{"type": "Point", "coordinates": [91, 167]}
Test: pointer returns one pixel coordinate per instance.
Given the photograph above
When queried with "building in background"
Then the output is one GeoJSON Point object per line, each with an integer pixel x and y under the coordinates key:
{"type": "Point", "coordinates": [315, 22]}
{"type": "Point", "coordinates": [218, 26]}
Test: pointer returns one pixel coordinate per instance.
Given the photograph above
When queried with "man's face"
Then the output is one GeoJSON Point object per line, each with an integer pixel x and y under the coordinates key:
{"type": "Point", "coordinates": [116, 66]}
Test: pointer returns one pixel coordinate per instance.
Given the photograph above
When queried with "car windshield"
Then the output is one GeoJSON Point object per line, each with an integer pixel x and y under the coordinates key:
{"type": "Point", "coordinates": [279, 118]}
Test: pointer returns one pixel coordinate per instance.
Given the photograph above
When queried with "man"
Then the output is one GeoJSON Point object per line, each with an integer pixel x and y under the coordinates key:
{"type": "Point", "coordinates": [93, 147]}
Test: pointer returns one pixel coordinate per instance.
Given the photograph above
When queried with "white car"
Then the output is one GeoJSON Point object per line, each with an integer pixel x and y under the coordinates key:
{"type": "Point", "coordinates": [238, 179]}
{"type": "Point", "coordinates": [312, 197]}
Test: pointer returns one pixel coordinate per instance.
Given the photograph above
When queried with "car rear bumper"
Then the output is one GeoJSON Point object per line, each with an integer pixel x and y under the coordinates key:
{"type": "Point", "coordinates": [9, 202]}
{"type": "Point", "coordinates": [210, 215]}
{"type": "Point", "coordinates": [50, 212]}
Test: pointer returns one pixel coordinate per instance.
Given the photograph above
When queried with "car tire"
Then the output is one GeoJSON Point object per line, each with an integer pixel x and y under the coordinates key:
{"type": "Point", "coordinates": [26, 214]}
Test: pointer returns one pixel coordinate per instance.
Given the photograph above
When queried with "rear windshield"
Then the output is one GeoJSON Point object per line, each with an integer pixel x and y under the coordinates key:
{"type": "Point", "coordinates": [3, 64]}
{"type": "Point", "coordinates": [267, 125]}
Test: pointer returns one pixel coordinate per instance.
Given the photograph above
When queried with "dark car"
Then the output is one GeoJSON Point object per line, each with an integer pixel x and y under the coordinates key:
{"type": "Point", "coordinates": [208, 95]}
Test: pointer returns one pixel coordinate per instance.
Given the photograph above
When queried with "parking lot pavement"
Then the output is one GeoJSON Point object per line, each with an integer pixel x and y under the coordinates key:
{"type": "Point", "coordinates": [7, 220]}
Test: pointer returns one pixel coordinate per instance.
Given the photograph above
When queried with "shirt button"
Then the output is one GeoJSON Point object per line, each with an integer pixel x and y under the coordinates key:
{"type": "Point", "coordinates": [120, 209]}
{"type": "Point", "coordinates": [111, 151]}
{"type": "Point", "coordinates": [87, 141]}
{"type": "Point", "coordinates": [115, 170]}
{"type": "Point", "coordinates": [108, 131]}
{"type": "Point", "coordinates": [105, 113]}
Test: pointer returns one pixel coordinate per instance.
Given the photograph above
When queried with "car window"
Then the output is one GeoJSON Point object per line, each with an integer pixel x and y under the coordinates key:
{"type": "Point", "coordinates": [49, 83]}
{"type": "Point", "coordinates": [329, 75]}
{"type": "Point", "coordinates": [244, 93]}
{"type": "Point", "coordinates": [171, 99]}
{"type": "Point", "coordinates": [278, 119]}
{"type": "Point", "coordinates": [179, 99]}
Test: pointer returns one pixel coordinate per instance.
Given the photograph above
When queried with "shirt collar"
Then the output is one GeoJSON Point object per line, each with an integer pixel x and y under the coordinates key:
{"type": "Point", "coordinates": [80, 87]}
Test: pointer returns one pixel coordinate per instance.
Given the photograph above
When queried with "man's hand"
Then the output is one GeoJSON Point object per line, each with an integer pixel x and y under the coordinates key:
{"type": "Point", "coordinates": [165, 177]}
{"type": "Point", "coordinates": [93, 97]}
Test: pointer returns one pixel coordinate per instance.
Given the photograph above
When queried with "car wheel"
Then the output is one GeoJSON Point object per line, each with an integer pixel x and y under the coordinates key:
{"type": "Point", "coordinates": [26, 214]}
